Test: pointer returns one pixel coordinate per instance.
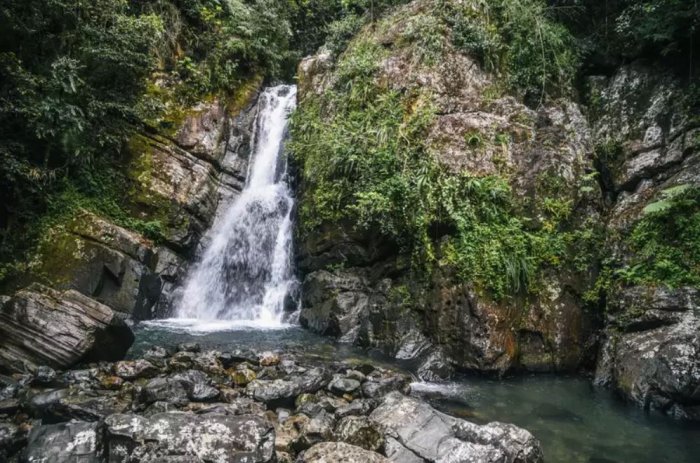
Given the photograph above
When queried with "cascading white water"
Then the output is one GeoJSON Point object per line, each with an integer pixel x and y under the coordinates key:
{"type": "Point", "coordinates": [245, 272]}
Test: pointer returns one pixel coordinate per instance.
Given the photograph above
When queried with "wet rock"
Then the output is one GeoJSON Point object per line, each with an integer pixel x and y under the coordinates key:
{"type": "Point", "coordinates": [11, 440]}
{"type": "Point", "coordinates": [269, 359]}
{"type": "Point", "coordinates": [42, 326]}
{"type": "Point", "coordinates": [357, 407]}
{"type": "Point", "coordinates": [517, 444]}
{"type": "Point", "coordinates": [189, 347]}
{"type": "Point", "coordinates": [112, 383]}
{"type": "Point", "coordinates": [435, 367]}
{"type": "Point", "coordinates": [288, 431]}
{"type": "Point", "coordinates": [317, 429]}
{"type": "Point", "coordinates": [375, 388]}
{"type": "Point", "coordinates": [242, 376]}
{"type": "Point", "coordinates": [230, 358]}
{"type": "Point", "coordinates": [360, 431]}
{"type": "Point", "coordinates": [209, 362]}
{"type": "Point", "coordinates": [178, 436]}
{"type": "Point", "coordinates": [156, 353]}
{"type": "Point", "coordinates": [239, 406]}
{"type": "Point", "coordinates": [9, 406]}
{"type": "Point", "coordinates": [341, 385]}
{"type": "Point", "coordinates": [198, 385]}
{"type": "Point", "coordinates": [181, 360]}
{"type": "Point", "coordinates": [652, 350]}
{"type": "Point", "coordinates": [134, 369]}
{"type": "Point", "coordinates": [75, 404]}
{"type": "Point", "coordinates": [64, 443]}
{"type": "Point", "coordinates": [167, 390]}
{"type": "Point", "coordinates": [417, 428]}
{"type": "Point", "coordinates": [334, 452]}
{"type": "Point", "coordinates": [101, 260]}
{"type": "Point", "coordinates": [286, 390]}
{"type": "Point", "coordinates": [44, 376]}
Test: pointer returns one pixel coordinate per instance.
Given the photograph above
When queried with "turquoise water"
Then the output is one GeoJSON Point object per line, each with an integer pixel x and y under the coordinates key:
{"type": "Point", "coordinates": [574, 421]}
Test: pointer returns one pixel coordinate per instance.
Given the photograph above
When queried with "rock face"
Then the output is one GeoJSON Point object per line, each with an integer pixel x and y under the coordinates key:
{"type": "Point", "coordinates": [84, 415]}
{"type": "Point", "coordinates": [652, 351]}
{"type": "Point", "coordinates": [41, 326]}
{"type": "Point", "coordinates": [354, 281]}
{"type": "Point", "coordinates": [647, 142]}
{"type": "Point", "coordinates": [179, 173]}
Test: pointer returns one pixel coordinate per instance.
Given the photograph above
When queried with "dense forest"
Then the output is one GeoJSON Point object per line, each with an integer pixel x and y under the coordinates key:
{"type": "Point", "coordinates": [79, 77]}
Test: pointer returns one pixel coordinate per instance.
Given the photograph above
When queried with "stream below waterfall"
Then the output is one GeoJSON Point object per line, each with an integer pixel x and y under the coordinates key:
{"type": "Point", "coordinates": [236, 295]}
{"type": "Point", "coordinates": [574, 421]}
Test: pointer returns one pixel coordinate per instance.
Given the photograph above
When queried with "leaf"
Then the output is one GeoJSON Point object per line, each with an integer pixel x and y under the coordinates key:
{"type": "Point", "coordinates": [658, 206]}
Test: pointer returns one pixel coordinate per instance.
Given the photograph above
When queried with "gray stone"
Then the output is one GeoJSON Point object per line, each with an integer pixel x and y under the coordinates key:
{"type": "Point", "coordinates": [337, 452]}
{"type": "Point", "coordinates": [134, 369]}
{"type": "Point", "coordinates": [167, 390]}
{"type": "Point", "coordinates": [417, 428]}
{"type": "Point", "coordinates": [360, 431]}
{"type": "Point", "coordinates": [64, 443]}
{"type": "Point", "coordinates": [341, 385]}
{"type": "Point", "coordinates": [178, 436]}
{"type": "Point", "coordinates": [42, 326]}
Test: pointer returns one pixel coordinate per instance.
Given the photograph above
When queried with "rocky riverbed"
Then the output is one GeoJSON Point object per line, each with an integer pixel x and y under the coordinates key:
{"type": "Point", "coordinates": [195, 405]}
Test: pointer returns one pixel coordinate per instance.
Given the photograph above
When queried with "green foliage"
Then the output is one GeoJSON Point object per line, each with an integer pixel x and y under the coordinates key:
{"type": "Point", "coordinates": [666, 241]}
{"type": "Point", "coordinates": [519, 39]}
{"type": "Point", "coordinates": [362, 149]}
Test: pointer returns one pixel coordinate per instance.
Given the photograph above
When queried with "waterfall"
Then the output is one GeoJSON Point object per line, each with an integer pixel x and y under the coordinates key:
{"type": "Point", "coordinates": [245, 271]}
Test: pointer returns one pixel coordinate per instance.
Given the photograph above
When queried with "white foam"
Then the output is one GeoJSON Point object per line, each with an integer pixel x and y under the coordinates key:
{"type": "Point", "coordinates": [196, 326]}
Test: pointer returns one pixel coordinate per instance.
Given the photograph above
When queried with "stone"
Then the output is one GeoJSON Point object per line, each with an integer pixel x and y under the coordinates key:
{"type": "Point", "coordinates": [415, 427]}
{"type": "Point", "coordinates": [341, 385]}
{"type": "Point", "coordinates": [42, 326]}
{"type": "Point", "coordinates": [269, 359]}
{"type": "Point", "coordinates": [178, 436]}
{"type": "Point", "coordinates": [198, 385]}
{"type": "Point", "coordinates": [357, 407]}
{"type": "Point", "coordinates": [284, 391]}
{"type": "Point", "coordinates": [101, 260]}
{"type": "Point", "coordinates": [44, 376]}
{"type": "Point", "coordinates": [135, 369]}
{"type": "Point", "coordinates": [11, 440]}
{"type": "Point", "coordinates": [64, 443]}
{"type": "Point", "coordinates": [167, 390]}
{"type": "Point", "coordinates": [336, 452]}
{"type": "Point", "coordinates": [360, 431]}
{"type": "Point", "coordinates": [242, 376]}
{"type": "Point", "coordinates": [189, 347]}
{"type": "Point", "coordinates": [59, 405]}
{"type": "Point", "coordinates": [317, 429]}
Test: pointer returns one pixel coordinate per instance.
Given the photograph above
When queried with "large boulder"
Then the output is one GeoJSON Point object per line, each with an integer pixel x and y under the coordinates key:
{"type": "Point", "coordinates": [64, 443]}
{"type": "Point", "coordinates": [179, 436]}
{"type": "Point", "coordinates": [42, 326]}
{"type": "Point", "coordinates": [359, 286]}
{"type": "Point", "coordinates": [102, 260]}
{"type": "Point", "coordinates": [417, 432]}
{"type": "Point", "coordinates": [652, 351]}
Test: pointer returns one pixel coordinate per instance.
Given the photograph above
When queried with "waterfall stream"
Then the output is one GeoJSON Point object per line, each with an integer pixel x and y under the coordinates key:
{"type": "Point", "coordinates": [245, 271]}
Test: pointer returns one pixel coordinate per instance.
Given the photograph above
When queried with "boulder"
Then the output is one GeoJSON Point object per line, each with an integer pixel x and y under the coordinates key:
{"type": "Point", "coordinates": [64, 443]}
{"type": "Point", "coordinates": [280, 391]}
{"type": "Point", "coordinates": [169, 390]}
{"type": "Point", "coordinates": [413, 427]}
{"type": "Point", "coordinates": [42, 326]}
{"type": "Point", "coordinates": [652, 351]}
{"type": "Point", "coordinates": [60, 405]}
{"type": "Point", "coordinates": [135, 369]}
{"type": "Point", "coordinates": [336, 452]}
{"type": "Point", "coordinates": [360, 431]}
{"type": "Point", "coordinates": [177, 436]}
